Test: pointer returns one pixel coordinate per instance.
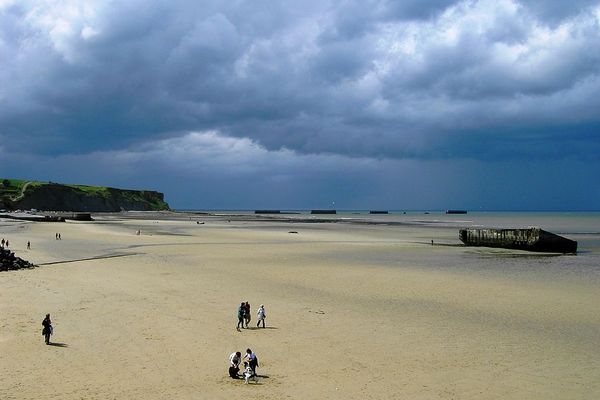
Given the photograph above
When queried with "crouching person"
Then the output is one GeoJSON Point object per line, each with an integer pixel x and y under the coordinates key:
{"type": "Point", "coordinates": [234, 364]}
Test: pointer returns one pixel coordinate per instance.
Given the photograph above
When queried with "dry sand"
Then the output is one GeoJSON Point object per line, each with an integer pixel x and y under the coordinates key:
{"type": "Point", "coordinates": [353, 312]}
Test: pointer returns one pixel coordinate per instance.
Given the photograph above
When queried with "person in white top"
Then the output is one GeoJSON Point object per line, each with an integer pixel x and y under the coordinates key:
{"type": "Point", "coordinates": [261, 315]}
{"type": "Point", "coordinates": [234, 364]}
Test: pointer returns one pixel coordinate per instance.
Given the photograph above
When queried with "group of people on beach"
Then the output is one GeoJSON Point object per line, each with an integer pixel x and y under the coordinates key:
{"type": "Point", "coordinates": [244, 315]}
{"type": "Point", "coordinates": [5, 243]}
{"type": "Point", "coordinates": [250, 360]}
{"type": "Point", "coordinates": [250, 363]}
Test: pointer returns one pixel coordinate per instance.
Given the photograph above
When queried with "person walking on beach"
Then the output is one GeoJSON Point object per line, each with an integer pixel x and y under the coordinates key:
{"type": "Point", "coordinates": [28, 245]}
{"type": "Point", "coordinates": [247, 315]}
{"type": "Point", "coordinates": [234, 364]}
{"type": "Point", "coordinates": [252, 360]}
{"type": "Point", "coordinates": [47, 330]}
{"type": "Point", "coordinates": [261, 315]}
{"type": "Point", "coordinates": [241, 315]}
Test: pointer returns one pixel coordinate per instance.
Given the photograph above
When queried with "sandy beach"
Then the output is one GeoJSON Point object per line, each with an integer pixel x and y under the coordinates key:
{"type": "Point", "coordinates": [353, 312]}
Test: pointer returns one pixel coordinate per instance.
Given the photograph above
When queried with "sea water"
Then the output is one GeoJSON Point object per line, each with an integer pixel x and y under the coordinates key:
{"type": "Point", "coordinates": [583, 227]}
{"type": "Point", "coordinates": [442, 228]}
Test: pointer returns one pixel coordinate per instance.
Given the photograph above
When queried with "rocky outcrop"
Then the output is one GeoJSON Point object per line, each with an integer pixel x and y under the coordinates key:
{"type": "Point", "coordinates": [9, 262]}
{"type": "Point", "coordinates": [57, 197]}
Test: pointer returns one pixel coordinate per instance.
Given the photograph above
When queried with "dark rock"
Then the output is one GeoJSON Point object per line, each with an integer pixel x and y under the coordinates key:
{"type": "Point", "coordinates": [10, 262]}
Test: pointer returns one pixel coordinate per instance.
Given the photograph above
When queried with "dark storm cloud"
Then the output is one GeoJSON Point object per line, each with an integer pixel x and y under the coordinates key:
{"type": "Point", "coordinates": [208, 171]}
{"type": "Point", "coordinates": [412, 79]}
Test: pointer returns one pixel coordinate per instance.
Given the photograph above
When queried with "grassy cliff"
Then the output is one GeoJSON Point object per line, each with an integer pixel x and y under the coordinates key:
{"type": "Point", "coordinates": [48, 196]}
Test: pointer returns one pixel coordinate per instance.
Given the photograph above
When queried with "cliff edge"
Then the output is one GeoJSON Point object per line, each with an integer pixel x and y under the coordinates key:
{"type": "Point", "coordinates": [25, 195]}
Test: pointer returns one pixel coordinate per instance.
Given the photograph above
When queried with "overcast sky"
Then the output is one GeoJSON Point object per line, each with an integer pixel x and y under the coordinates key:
{"type": "Point", "coordinates": [414, 104]}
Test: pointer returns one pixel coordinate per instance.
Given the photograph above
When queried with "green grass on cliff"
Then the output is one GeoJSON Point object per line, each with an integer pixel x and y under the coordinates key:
{"type": "Point", "coordinates": [99, 191]}
{"type": "Point", "coordinates": [13, 188]}
{"type": "Point", "coordinates": [11, 185]}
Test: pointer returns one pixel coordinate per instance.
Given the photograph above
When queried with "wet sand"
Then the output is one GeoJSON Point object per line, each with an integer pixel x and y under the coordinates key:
{"type": "Point", "coordinates": [353, 312]}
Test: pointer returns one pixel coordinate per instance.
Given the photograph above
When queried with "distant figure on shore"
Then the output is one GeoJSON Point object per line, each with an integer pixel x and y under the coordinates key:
{"type": "Point", "coordinates": [261, 315]}
{"type": "Point", "coordinates": [247, 315]}
{"type": "Point", "coordinates": [234, 364]}
{"type": "Point", "coordinates": [6, 243]}
{"type": "Point", "coordinates": [252, 360]}
{"type": "Point", "coordinates": [56, 236]}
{"type": "Point", "coordinates": [241, 315]}
{"type": "Point", "coordinates": [2, 242]}
{"type": "Point", "coordinates": [47, 330]}
{"type": "Point", "coordinates": [138, 232]}
{"type": "Point", "coordinates": [59, 237]}
{"type": "Point", "coordinates": [28, 245]}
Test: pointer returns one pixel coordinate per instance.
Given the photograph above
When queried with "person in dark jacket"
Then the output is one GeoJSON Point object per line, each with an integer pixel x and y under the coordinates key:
{"type": "Point", "coordinates": [47, 331]}
{"type": "Point", "coordinates": [247, 316]}
{"type": "Point", "coordinates": [252, 360]}
{"type": "Point", "coordinates": [241, 315]}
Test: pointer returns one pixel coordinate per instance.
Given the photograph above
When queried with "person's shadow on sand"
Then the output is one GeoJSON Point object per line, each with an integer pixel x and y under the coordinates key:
{"type": "Point", "coordinates": [254, 328]}
{"type": "Point", "coordinates": [57, 344]}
